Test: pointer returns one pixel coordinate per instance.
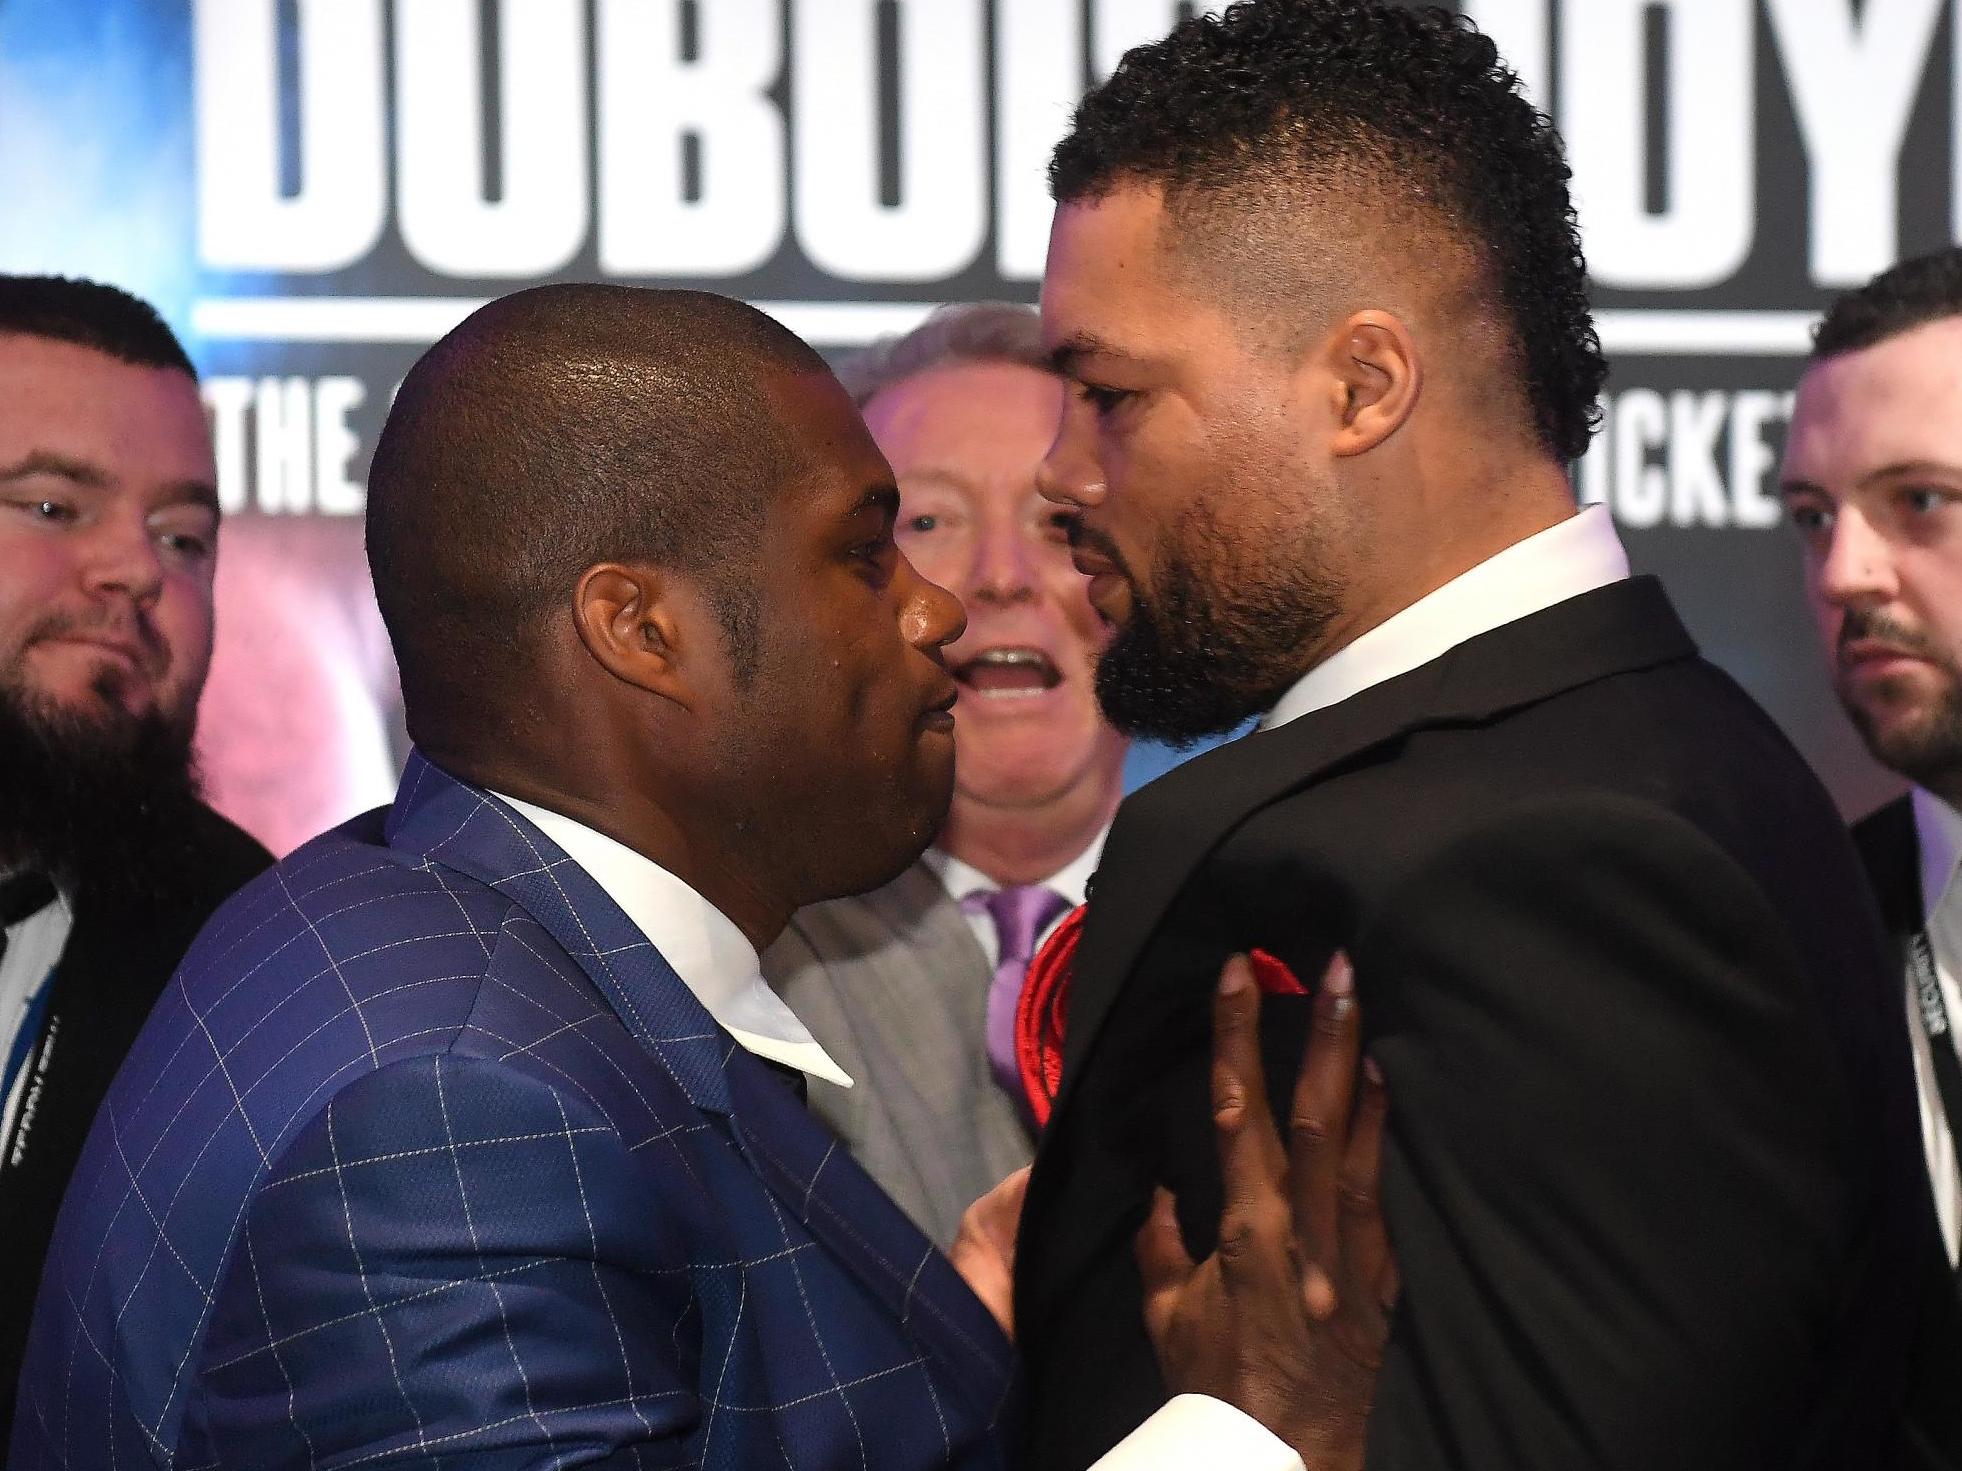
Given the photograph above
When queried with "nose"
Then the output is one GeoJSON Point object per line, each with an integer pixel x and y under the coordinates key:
{"type": "Point", "coordinates": [1069, 474]}
{"type": "Point", "coordinates": [121, 557]}
{"type": "Point", "coordinates": [933, 617]}
{"type": "Point", "coordinates": [1858, 567]}
{"type": "Point", "coordinates": [1003, 570]}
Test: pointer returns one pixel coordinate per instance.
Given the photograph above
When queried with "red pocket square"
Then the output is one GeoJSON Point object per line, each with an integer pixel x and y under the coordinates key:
{"type": "Point", "coordinates": [1042, 1013]}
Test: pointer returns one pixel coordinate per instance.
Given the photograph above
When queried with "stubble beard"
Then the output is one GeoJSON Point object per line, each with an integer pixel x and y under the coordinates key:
{"type": "Point", "coordinates": [1919, 739]}
{"type": "Point", "coordinates": [1922, 744]}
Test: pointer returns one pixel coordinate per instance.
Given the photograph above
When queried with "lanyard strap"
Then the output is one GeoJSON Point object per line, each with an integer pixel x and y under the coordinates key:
{"type": "Point", "coordinates": [1941, 1042]}
{"type": "Point", "coordinates": [22, 1059]}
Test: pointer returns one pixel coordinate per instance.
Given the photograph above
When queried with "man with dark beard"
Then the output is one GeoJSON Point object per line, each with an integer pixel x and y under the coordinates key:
{"type": "Point", "coordinates": [1649, 1174]}
{"type": "Point", "coordinates": [108, 861]}
{"type": "Point", "coordinates": [1873, 482]}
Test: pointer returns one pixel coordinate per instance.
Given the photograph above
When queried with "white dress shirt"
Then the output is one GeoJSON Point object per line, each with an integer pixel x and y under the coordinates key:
{"type": "Point", "coordinates": [1572, 557]}
{"type": "Point", "coordinates": [704, 946]}
{"type": "Point", "coordinates": [33, 947]}
{"type": "Point", "coordinates": [1938, 833]}
{"type": "Point", "coordinates": [962, 879]}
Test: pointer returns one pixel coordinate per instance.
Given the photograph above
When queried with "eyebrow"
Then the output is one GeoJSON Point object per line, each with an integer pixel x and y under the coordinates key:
{"type": "Point", "coordinates": [91, 477]}
{"type": "Point", "coordinates": [46, 462]}
{"type": "Point", "coordinates": [1911, 467]}
{"type": "Point", "coordinates": [199, 493]}
{"type": "Point", "coordinates": [1068, 354]}
{"type": "Point", "coordinates": [1900, 469]}
{"type": "Point", "coordinates": [950, 476]}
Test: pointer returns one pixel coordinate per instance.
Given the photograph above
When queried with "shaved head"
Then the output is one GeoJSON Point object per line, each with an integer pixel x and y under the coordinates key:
{"type": "Point", "coordinates": [556, 429]}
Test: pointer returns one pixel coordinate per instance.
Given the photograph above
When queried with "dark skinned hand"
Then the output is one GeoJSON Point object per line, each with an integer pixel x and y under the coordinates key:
{"type": "Point", "coordinates": [1287, 1319]}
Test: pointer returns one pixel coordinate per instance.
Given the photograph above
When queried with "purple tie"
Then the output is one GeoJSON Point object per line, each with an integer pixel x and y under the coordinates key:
{"type": "Point", "coordinates": [1020, 914]}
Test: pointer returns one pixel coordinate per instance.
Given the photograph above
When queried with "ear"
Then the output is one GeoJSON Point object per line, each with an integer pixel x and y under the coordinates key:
{"type": "Point", "coordinates": [629, 623]}
{"type": "Point", "coordinates": [1376, 377]}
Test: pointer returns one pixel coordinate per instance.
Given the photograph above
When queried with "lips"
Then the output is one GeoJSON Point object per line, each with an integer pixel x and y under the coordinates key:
{"type": "Point", "coordinates": [939, 714]}
{"type": "Point", "coordinates": [133, 654]}
{"type": "Point", "coordinates": [1867, 653]}
{"type": "Point", "coordinates": [1013, 671]}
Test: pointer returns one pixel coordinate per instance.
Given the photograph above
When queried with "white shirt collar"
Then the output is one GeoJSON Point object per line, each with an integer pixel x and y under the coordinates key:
{"type": "Point", "coordinates": [704, 946]}
{"type": "Point", "coordinates": [1072, 881]}
{"type": "Point", "coordinates": [1938, 834]}
{"type": "Point", "coordinates": [1572, 557]}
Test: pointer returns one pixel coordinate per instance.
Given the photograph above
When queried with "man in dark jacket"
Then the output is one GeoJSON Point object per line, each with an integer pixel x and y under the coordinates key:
{"type": "Point", "coordinates": [1873, 482]}
{"type": "Point", "coordinates": [1649, 1175]}
{"type": "Point", "coordinates": [109, 863]}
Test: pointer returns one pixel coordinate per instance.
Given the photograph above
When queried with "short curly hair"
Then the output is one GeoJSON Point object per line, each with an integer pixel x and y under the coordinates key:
{"type": "Point", "coordinates": [1280, 100]}
{"type": "Point", "coordinates": [1924, 289]}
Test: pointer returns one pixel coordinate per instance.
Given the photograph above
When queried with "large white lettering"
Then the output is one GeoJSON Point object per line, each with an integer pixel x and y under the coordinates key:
{"type": "Point", "coordinates": [1638, 427]}
{"type": "Point", "coordinates": [1688, 460]}
{"type": "Point", "coordinates": [1703, 231]}
{"type": "Point", "coordinates": [1853, 84]}
{"type": "Point", "coordinates": [938, 223]}
{"type": "Point", "coordinates": [537, 222]}
{"type": "Point", "coordinates": [1039, 63]}
{"type": "Point", "coordinates": [284, 446]}
{"type": "Point", "coordinates": [246, 221]}
{"type": "Point", "coordinates": [1523, 32]}
{"type": "Point", "coordinates": [1118, 25]}
{"type": "Point", "coordinates": [658, 107]}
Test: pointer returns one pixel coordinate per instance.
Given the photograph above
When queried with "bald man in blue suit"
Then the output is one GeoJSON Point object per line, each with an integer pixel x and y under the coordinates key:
{"type": "Point", "coordinates": [469, 1135]}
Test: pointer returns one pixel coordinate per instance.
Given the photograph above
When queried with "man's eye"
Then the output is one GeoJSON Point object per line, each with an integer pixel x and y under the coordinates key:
{"type": "Point", "coordinates": [922, 523]}
{"type": "Point", "coordinates": [47, 510]}
{"type": "Point", "coordinates": [1808, 518]}
{"type": "Point", "coordinates": [187, 545]}
{"type": "Point", "coordinates": [1922, 501]}
{"type": "Point", "coordinates": [1103, 400]}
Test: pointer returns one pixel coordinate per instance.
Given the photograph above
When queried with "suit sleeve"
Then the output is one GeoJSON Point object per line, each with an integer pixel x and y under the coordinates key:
{"type": "Point", "coordinates": [451, 1261]}
{"type": "Point", "coordinates": [1622, 1179]}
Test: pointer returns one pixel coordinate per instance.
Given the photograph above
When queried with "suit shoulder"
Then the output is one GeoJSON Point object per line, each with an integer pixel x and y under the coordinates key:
{"type": "Point", "coordinates": [848, 929]}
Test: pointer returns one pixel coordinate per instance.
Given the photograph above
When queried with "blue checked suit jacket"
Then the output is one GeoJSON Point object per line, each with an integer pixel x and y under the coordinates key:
{"type": "Point", "coordinates": [427, 1157]}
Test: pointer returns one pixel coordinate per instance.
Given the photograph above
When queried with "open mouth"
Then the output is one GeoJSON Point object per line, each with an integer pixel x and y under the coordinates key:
{"type": "Point", "coordinates": [1009, 673]}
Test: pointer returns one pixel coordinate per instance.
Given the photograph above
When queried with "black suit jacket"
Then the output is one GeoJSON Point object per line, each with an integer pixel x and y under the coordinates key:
{"type": "Point", "coordinates": [1651, 1174]}
{"type": "Point", "coordinates": [118, 958]}
{"type": "Point", "coordinates": [1890, 849]}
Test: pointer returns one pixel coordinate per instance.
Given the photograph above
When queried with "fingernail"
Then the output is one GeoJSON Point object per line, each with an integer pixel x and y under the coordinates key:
{"type": "Point", "coordinates": [1371, 1070]}
{"type": "Point", "coordinates": [1233, 980]}
{"type": "Point", "coordinates": [1341, 976]}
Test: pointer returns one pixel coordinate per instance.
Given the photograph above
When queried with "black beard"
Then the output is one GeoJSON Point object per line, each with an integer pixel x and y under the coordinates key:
{"type": "Point", "coordinates": [101, 803]}
{"type": "Point", "coordinates": [1193, 662]}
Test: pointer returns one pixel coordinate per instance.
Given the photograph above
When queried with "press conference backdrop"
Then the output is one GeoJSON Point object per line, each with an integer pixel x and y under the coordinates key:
{"type": "Point", "coordinates": [314, 190]}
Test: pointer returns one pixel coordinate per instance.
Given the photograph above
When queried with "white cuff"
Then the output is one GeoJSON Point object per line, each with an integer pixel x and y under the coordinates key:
{"type": "Point", "coordinates": [1194, 1429]}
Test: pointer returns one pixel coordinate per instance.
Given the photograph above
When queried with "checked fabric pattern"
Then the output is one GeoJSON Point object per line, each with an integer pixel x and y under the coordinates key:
{"type": "Point", "coordinates": [427, 1158]}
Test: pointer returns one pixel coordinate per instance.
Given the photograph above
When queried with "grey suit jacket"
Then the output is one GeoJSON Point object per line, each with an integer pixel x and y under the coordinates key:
{"type": "Point", "coordinates": [894, 986]}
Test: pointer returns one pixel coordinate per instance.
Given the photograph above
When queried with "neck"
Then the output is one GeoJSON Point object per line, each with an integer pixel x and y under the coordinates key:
{"type": "Point", "coordinates": [687, 848]}
{"type": "Point", "coordinates": [1022, 845]}
{"type": "Point", "coordinates": [1449, 538]}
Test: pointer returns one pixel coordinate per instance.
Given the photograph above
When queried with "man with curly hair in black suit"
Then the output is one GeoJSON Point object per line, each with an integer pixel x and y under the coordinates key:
{"type": "Point", "coordinates": [1649, 1175]}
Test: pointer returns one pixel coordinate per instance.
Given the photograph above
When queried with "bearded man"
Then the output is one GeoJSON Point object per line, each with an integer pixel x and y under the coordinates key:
{"type": "Point", "coordinates": [1873, 484]}
{"type": "Point", "coordinates": [109, 863]}
{"type": "Point", "coordinates": [1316, 280]}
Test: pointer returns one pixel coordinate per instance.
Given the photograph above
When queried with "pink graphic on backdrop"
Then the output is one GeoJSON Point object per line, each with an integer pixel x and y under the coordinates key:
{"type": "Point", "coordinates": [300, 727]}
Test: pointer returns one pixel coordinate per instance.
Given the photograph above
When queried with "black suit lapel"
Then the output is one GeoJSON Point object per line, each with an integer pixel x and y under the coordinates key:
{"type": "Point", "coordinates": [1167, 830]}
{"type": "Point", "coordinates": [1890, 849]}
